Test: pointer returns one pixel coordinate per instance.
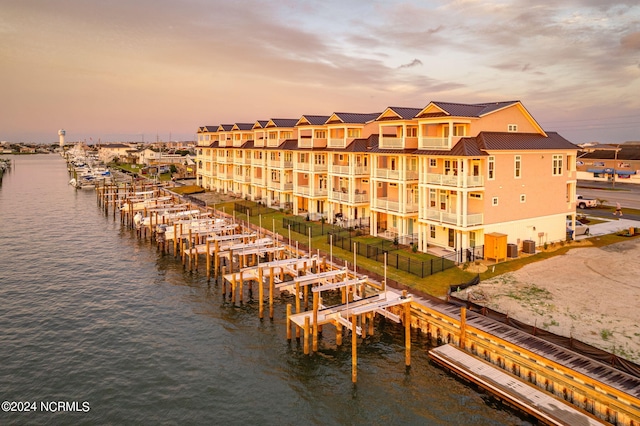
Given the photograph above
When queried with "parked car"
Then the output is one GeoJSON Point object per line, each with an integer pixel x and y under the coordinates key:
{"type": "Point", "coordinates": [581, 229]}
{"type": "Point", "coordinates": [583, 202]}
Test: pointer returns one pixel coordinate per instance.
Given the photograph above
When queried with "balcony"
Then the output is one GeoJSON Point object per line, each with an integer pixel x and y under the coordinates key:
{"type": "Point", "coordinates": [350, 170]}
{"type": "Point", "coordinates": [280, 164]}
{"type": "Point", "coordinates": [391, 142]}
{"type": "Point", "coordinates": [310, 167]}
{"type": "Point", "coordinates": [348, 197]}
{"type": "Point", "coordinates": [394, 206]}
{"type": "Point", "coordinates": [305, 142]}
{"type": "Point", "coordinates": [337, 143]}
{"type": "Point", "coordinates": [399, 175]}
{"type": "Point", "coordinates": [434, 143]}
{"type": "Point", "coordinates": [243, 178]}
{"type": "Point", "coordinates": [451, 180]}
{"type": "Point", "coordinates": [453, 218]}
{"type": "Point", "coordinates": [306, 191]}
{"type": "Point", "coordinates": [257, 162]}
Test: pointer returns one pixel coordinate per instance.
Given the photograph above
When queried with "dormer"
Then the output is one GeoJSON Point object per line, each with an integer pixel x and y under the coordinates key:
{"type": "Point", "coordinates": [241, 133]}
{"type": "Point", "coordinates": [312, 131]}
{"type": "Point", "coordinates": [343, 128]}
{"type": "Point", "coordinates": [224, 132]}
{"type": "Point", "coordinates": [279, 130]}
{"type": "Point", "coordinates": [205, 135]}
{"type": "Point", "coordinates": [259, 134]}
{"type": "Point", "coordinates": [397, 128]}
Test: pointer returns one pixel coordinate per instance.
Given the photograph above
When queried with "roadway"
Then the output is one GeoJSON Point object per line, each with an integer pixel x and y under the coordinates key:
{"type": "Point", "coordinates": [627, 194]}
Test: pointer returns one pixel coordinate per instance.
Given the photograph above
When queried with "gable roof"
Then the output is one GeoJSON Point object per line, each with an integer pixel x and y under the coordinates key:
{"type": "Point", "coordinates": [282, 122]}
{"type": "Point", "coordinates": [464, 110]}
{"type": "Point", "coordinates": [242, 126]}
{"type": "Point", "coordinates": [260, 124]}
{"type": "Point", "coordinates": [352, 118]}
{"type": "Point", "coordinates": [400, 113]}
{"type": "Point", "coordinates": [313, 120]}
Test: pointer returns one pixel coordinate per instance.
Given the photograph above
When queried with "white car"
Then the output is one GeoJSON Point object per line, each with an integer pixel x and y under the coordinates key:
{"type": "Point", "coordinates": [581, 229]}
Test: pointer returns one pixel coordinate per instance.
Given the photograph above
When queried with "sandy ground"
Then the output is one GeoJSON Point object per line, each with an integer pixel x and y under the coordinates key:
{"type": "Point", "coordinates": [592, 294]}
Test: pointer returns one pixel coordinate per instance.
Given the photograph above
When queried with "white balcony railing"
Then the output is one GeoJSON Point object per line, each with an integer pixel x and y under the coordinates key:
{"type": "Point", "coordinates": [304, 167]}
{"type": "Point", "coordinates": [306, 191]}
{"type": "Point", "coordinates": [391, 142]}
{"type": "Point", "coordinates": [433, 143]}
{"type": "Point", "coordinates": [337, 143]}
{"type": "Point", "coordinates": [396, 174]}
{"type": "Point", "coordinates": [450, 180]}
{"type": "Point", "coordinates": [394, 206]}
{"type": "Point", "coordinates": [454, 218]}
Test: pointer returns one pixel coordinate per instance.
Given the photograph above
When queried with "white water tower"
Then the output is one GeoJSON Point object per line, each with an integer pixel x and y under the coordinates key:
{"type": "Point", "coordinates": [61, 133]}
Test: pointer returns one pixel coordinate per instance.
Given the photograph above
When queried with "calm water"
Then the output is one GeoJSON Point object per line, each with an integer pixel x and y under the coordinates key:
{"type": "Point", "coordinates": [90, 313]}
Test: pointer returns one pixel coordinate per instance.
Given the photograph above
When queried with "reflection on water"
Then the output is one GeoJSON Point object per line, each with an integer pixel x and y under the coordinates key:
{"type": "Point", "coordinates": [90, 313]}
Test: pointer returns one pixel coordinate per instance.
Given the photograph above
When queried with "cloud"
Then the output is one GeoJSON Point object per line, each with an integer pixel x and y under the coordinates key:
{"type": "Point", "coordinates": [416, 62]}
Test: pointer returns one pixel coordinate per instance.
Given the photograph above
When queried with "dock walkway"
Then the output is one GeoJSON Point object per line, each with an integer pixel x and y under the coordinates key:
{"type": "Point", "coordinates": [508, 388]}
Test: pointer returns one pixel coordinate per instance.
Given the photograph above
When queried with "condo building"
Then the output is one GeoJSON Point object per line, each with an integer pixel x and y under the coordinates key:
{"type": "Point", "coordinates": [444, 175]}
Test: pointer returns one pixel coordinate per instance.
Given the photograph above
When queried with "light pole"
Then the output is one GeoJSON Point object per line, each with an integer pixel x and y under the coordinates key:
{"type": "Point", "coordinates": [615, 164]}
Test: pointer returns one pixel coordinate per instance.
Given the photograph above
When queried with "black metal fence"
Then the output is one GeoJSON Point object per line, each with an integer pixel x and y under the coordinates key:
{"type": "Point", "coordinates": [303, 227]}
{"type": "Point", "coordinates": [400, 261]}
{"type": "Point", "coordinates": [251, 208]}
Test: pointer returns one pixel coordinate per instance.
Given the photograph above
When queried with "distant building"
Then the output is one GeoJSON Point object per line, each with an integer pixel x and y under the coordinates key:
{"type": "Point", "coordinates": [606, 162]}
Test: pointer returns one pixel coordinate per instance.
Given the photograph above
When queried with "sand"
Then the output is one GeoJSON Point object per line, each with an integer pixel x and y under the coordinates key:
{"type": "Point", "coordinates": [591, 294]}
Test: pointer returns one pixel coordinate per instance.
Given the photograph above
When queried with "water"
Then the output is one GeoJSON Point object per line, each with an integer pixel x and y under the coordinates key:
{"type": "Point", "coordinates": [89, 313]}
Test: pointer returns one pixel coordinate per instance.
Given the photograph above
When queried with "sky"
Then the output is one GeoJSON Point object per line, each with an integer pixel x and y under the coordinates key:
{"type": "Point", "coordinates": [147, 70]}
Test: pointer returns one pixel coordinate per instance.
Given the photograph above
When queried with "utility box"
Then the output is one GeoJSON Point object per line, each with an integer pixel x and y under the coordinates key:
{"type": "Point", "coordinates": [512, 250]}
{"type": "Point", "coordinates": [495, 246]}
{"type": "Point", "coordinates": [529, 247]}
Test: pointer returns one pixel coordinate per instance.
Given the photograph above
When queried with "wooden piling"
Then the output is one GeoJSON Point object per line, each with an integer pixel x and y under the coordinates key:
{"type": "Point", "coordinates": [354, 350]}
{"type": "Point", "coordinates": [289, 321]}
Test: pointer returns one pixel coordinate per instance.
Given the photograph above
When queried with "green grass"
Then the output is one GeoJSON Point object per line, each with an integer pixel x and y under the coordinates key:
{"type": "Point", "coordinates": [436, 284]}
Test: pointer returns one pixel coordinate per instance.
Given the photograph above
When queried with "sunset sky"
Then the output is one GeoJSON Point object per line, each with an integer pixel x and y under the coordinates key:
{"type": "Point", "coordinates": [133, 70]}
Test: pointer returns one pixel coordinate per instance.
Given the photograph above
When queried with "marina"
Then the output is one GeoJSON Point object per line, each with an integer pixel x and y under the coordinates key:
{"type": "Point", "coordinates": [125, 327]}
{"type": "Point", "coordinates": [306, 293]}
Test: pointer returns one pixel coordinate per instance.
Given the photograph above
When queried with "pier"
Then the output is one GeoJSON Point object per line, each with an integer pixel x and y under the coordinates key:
{"type": "Point", "coordinates": [240, 256]}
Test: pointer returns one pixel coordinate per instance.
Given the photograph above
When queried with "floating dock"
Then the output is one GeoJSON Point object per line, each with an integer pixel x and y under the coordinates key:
{"type": "Point", "coordinates": [508, 388]}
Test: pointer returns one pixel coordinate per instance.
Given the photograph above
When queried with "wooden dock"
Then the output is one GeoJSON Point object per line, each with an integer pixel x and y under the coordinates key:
{"type": "Point", "coordinates": [509, 388]}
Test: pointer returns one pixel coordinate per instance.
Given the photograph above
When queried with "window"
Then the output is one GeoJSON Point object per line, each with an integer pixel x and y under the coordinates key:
{"type": "Point", "coordinates": [432, 231]}
{"type": "Point", "coordinates": [286, 135]}
{"type": "Point", "coordinates": [494, 201]}
{"type": "Point", "coordinates": [432, 197]}
{"type": "Point", "coordinates": [492, 168]}
{"type": "Point", "coordinates": [412, 132]}
{"type": "Point", "coordinates": [477, 195]}
{"type": "Point", "coordinates": [557, 165]}
{"type": "Point", "coordinates": [353, 133]}
{"type": "Point", "coordinates": [319, 158]}
{"type": "Point", "coordinates": [518, 166]}
{"type": "Point", "coordinates": [523, 198]}
{"type": "Point", "coordinates": [512, 127]}
{"type": "Point", "coordinates": [432, 162]}
{"type": "Point", "coordinates": [321, 134]}
{"type": "Point", "coordinates": [472, 239]}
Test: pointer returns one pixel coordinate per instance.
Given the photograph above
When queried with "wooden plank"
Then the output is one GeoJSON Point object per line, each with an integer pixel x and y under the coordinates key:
{"type": "Point", "coordinates": [509, 388]}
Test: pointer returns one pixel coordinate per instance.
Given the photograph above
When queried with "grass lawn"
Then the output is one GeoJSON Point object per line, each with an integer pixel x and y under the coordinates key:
{"type": "Point", "coordinates": [436, 284]}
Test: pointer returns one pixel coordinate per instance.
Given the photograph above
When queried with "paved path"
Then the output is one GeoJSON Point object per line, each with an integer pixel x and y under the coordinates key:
{"type": "Point", "coordinates": [609, 227]}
